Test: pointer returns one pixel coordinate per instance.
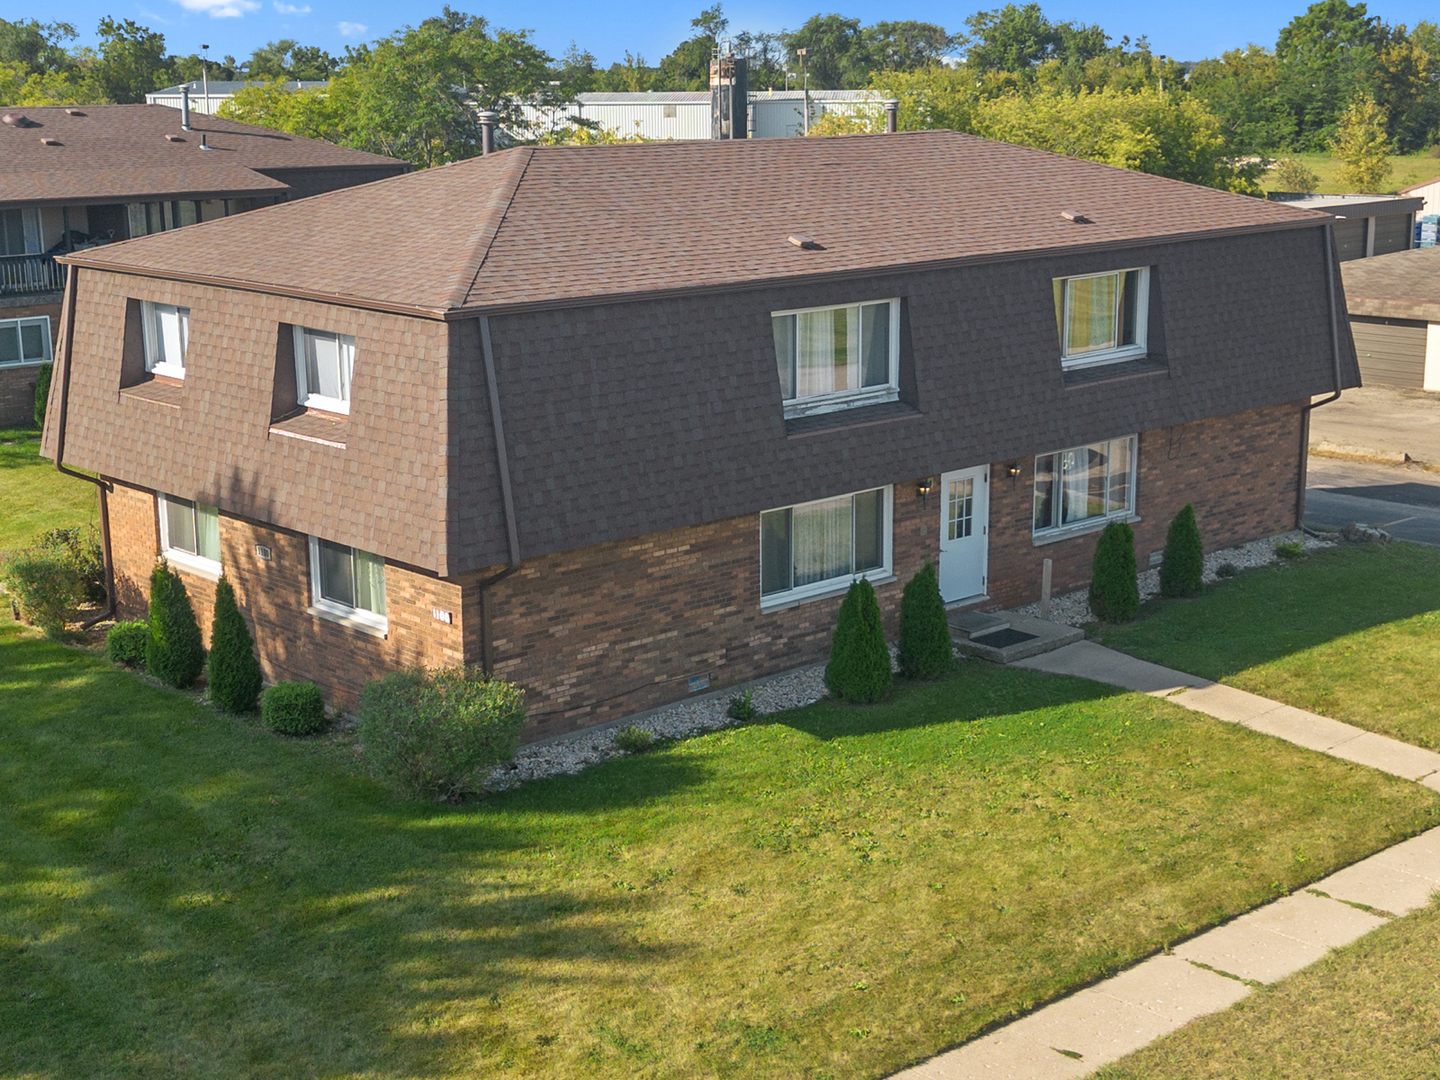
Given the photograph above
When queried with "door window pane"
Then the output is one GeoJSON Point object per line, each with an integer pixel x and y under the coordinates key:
{"type": "Point", "coordinates": [960, 511]}
{"type": "Point", "coordinates": [337, 573]}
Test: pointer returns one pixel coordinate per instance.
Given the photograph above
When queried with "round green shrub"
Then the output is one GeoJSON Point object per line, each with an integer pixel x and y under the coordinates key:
{"type": "Point", "coordinates": [293, 708]}
{"type": "Point", "coordinates": [44, 585]}
{"type": "Point", "coordinates": [42, 391]}
{"type": "Point", "coordinates": [234, 673]}
{"type": "Point", "coordinates": [175, 653]}
{"type": "Point", "coordinates": [859, 668]}
{"type": "Point", "coordinates": [1114, 591]}
{"type": "Point", "coordinates": [634, 740]}
{"type": "Point", "coordinates": [80, 549]}
{"type": "Point", "coordinates": [1181, 572]}
{"type": "Point", "coordinates": [430, 733]}
{"type": "Point", "coordinates": [125, 642]}
{"type": "Point", "coordinates": [926, 651]}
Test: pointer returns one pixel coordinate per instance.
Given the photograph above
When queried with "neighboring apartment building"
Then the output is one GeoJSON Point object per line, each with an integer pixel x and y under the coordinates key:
{"type": "Point", "coordinates": [622, 423]}
{"type": "Point", "coordinates": [74, 178]}
{"type": "Point", "coordinates": [1394, 305]}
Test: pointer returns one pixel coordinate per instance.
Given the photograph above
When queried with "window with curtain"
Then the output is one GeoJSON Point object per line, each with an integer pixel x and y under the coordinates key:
{"type": "Point", "coordinates": [837, 357]}
{"type": "Point", "coordinates": [347, 582]}
{"type": "Point", "coordinates": [1085, 484]}
{"type": "Point", "coordinates": [1102, 317]}
{"type": "Point", "coordinates": [24, 341]}
{"type": "Point", "coordinates": [166, 329]}
{"type": "Point", "coordinates": [190, 533]}
{"type": "Point", "coordinates": [809, 548]}
{"type": "Point", "coordinates": [324, 363]}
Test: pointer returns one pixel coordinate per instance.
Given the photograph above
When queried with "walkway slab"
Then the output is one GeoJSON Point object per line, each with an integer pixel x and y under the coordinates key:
{"type": "Point", "coordinates": [1307, 729]}
{"type": "Point", "coordinates": [1389, 755]}
{"type": "Point", "coordinates": [1225, 703]}
{"type": "Point", "coordinates": [1091, 660]}
{"type": "Point", "coordinates": [1174, 989]}
{"type": "Point", "coordinates": [1376, 885]}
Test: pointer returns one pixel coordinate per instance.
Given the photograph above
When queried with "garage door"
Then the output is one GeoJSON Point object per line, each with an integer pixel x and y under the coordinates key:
{"type": "Point", "coordinates": [1391, 351]}
{"type": "Point", "coordinates": [1350, 238]}
{"type": "Point", "coordinates": [1393, 232]}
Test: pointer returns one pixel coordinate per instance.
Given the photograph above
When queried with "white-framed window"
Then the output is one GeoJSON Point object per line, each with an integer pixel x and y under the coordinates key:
{"type": "Point", "coordinates": [1079, 488]}
{"type": "Point", "coordinates": [20, 232]}
{"type": "Point", "coordinates": [832, 358]}
{"type": "Point", "coordinates": [25, 341]}
{"type": "Point", "coordinates": [1102, 317]}
{"type": "Point", "coordinates": [166, 329]}
{"type": "Point", "coordinates": [190, 534]}
{"type": "Point", "coordinates": [815, 548]}
{"type": "Point", "coordinates": [324, 363]}
{"type": "Point", "coordinates": [347, 584]}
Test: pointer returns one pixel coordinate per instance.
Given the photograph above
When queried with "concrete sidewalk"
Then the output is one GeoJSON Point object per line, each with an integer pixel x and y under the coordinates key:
{"type": "Point", "coordinates": [1100, 1024]}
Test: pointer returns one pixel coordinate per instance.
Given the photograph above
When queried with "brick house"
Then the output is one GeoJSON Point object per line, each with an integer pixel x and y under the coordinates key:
{"type": "Point", "coordinates": [623, 422]}
{"type": "Point", "coordinates": [77, 177]}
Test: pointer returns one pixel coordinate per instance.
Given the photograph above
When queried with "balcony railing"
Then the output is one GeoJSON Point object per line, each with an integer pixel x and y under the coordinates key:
{"type": "Point", "coordinates": [21, 274]}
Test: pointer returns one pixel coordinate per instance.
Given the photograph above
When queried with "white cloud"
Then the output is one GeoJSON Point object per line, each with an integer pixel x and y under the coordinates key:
{"type": "Point", "coordinates": [221, 9]}
{"type": "Point", "coordinates": [351, 29]}
{"type": "Point", "coordinates": [291, 9]}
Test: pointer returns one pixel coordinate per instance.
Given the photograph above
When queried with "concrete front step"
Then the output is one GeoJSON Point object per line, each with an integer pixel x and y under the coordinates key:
{"type": "Point", "coordinates": [1012, 636]}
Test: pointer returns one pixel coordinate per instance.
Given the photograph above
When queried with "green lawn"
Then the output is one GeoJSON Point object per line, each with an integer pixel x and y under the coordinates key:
{"type": "Point", "coordinates": [1406, 171]}
{"type": "Point", "coordinates": [1369, 1010]}
{"type": "Point", "coordinates": [34, 497]}
{"type": "Point", "coordinates": [1352, 633]}
{"type": "Point", "coordinates": [833, 893]}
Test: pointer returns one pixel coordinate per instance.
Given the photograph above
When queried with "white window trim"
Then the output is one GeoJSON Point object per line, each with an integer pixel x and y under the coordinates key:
{"type": "Point", "coordinates": [1108, 356]}
{"type": "Point", "coordinates": [152, 346]}
{"type": "Point", "coordinates": [303, 396]}
{"type": "Point", "coordinates": [817, 590]}
{"type": "Point", "coordinates": [210, 568]}
{"type": "Point", "coordinates": [849, 399]}
{"type": "Point", "coordinates": [356, 618]}
{"type": "Point", "coordinates": [49, 347]}
{"type": "Point", "coordinates": [1090, 524]}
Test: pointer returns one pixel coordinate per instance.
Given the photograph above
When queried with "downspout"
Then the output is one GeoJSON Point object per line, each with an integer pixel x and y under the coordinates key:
{"type": "Point", "coordinates": [67, 337]}
{"type": "Point", "coordinates": [502, 463]}
{"type": "Point", "coordinates": [1335, 360]}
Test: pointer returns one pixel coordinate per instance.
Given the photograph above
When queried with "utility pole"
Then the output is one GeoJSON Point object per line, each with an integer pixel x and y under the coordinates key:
{"type": "Point", "coordinates": [205, 74]}
{"type": "Point", "coordinates": [805, 75]}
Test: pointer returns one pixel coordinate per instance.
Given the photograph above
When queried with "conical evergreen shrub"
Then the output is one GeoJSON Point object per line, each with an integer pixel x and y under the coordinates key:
{"type": "Point", "coordinates": [175, 653]}
{"type": "Point", "coordinates": [859, 668]}
{"type": "Point", "coordinates": [1114, 592]}
{"type": "Point", "coordinates": [1180, 573]}
{"type": "Point", "coordinates": [925, 649]}
{"type": "Point", "coordinates": [234, 672]}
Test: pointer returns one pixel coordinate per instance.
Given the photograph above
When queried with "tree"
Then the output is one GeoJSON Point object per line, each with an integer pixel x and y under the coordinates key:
{"type": "Point", "coordinates": [132, 60]}
{"type": "Point", "coordinates": [1326, 55]}
{"type": "Point", "coordinates": [1018, 39]}
{"type": "Point", "coordinates": [907, 45]}
{"type": "Point", "coordinates": [234, 672]}
{"type": "Point", "coordinates": [1242, 90]}
{"type": "Point", "coordinates": [1114, 590]}
{"type": "Point", "coordinates": [288, 59]}
{"type": "Point", "coordinates": [175, 653]}
{"type": "Point", "coordinates": [313, 112]}
{"type": "Point", "coordinates": [836, 56]}
{"type": "Point", "coordinates": [1362, 146]}
{"type": "Point", "coordinates": [1182, 572]}
{"type": "Point", "coordinates": [38, 47]}
{"type": "Point", "coordinates": [859, 668]}
{"type": "Point", "coordinates": [631, 77]}
{"type": "Point", "coordinates": [688, 66]}
{"type": "Point", "coordinates": [1292, 175]}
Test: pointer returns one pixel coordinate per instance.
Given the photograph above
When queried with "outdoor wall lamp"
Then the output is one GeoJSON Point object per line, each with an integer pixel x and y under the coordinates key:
{"type": "Point", "coordinates": [1014, 470]}
{"type": "Point", "coordinates": [924, 488]}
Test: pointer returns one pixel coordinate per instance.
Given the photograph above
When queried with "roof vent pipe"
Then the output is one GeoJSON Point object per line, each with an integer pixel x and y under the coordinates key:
{"type": "Point", "coordinates": [185, 108]}
{"type": "Point", "coordinates": [892, 114]}
{"type": "Point", "coordinates": [487, 130]}
{"type": "Point", "coordinates": [203, 144]}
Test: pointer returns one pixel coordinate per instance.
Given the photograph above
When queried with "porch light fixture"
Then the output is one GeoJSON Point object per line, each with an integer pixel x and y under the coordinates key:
{"type": "Point", "coordinates": [924, 488]}
{"type": "Point", "coordinates": [1014, 470]}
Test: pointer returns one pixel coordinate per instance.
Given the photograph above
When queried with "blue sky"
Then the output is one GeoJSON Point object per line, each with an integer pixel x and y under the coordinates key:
{"type": "Point", "coordinates": [652, 27]}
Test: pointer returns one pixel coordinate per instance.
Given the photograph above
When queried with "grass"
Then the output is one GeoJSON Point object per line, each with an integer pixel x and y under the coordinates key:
{"type": "Point", "coordinates": [1352, 633]}
{"type": "Point", "coordinates": [835, 892]}
{"type": "Point", "coordinates": [1367, 1010]}
{"type": "Point", "coordinates": [35, 497]}
{"type": "Point", "coordinates": [1406, 171]}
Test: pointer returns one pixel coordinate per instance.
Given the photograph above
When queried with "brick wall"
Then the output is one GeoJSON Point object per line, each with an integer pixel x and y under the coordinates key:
{"type": "Point", "coordinates": [17, 381]}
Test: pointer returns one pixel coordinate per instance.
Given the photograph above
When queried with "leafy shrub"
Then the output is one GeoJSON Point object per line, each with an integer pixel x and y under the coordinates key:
{"type": "Point", "coordinates": [293, 708]}
{"type": "Point", "coordinates": [742, 707]}
{"type": "Point", "coordinates": [859, 668]}
{"type": "Point", "coordinates": [926, 651]}
{"type": "Point", "coordinates": [1292, 175]}
{"type": "Point", "coordinates": [125, 642]}
{"type": "Point", "coordinates": [634, 740]}
{"type": "Point", "coordinates": [1290, 550]}
{"type": "Point", "coordinates": [234, 673]}
{"type": "Point", "coordinates": [175, 653]}
{"type": "Point", "coordinates": [1184, 565]}
{"type": "Point", "coordinates": [1114, 592]}
{"type": "Point", "coordinates": [1227, 570]}
{"type": "Point", "coordinates": [42, 391]}
{"type": "Point", "coordinates": [44, 586]}
{"type": "Point", "coordinates": [80, 548]}
{"type": "Point", "coordinates": [429, 732]}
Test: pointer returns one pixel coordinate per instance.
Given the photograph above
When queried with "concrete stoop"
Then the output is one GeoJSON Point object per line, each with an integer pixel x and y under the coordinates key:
{"type": "Point", "coordinates": [1006, 636]}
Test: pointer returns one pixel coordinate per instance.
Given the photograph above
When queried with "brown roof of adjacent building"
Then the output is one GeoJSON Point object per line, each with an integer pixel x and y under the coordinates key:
{"type": "Point", "coordinates": [1402, 285]}
{"type": "Point", "coordinates": [564, 225]}
{"type": "Point", "coordinates": [120, 153]}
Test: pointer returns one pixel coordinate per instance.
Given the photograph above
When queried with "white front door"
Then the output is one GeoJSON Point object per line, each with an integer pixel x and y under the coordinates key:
{"type": "Point", "coordinates": [964, 532]}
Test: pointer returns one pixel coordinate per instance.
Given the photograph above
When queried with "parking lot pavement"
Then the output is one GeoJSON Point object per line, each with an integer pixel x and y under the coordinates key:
{"type": "Point", "coordinates": [1402, 500]}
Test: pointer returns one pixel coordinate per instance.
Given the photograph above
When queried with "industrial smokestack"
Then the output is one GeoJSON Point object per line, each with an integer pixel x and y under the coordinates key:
{"type": "Point", "coordinates": [185, 107]}
{"type": "Point", "coordinates": [892, 113]}
{"type": "Point", "coordinates": [487, 130]}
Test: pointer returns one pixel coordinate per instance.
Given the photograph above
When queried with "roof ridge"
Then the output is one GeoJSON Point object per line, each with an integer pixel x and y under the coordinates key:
{"type": "Point", "coordinates": [492, 217]}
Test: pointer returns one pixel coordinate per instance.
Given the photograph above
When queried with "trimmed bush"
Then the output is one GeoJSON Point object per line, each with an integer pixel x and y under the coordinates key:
{"type": "Point", "coordinates": [634, 740]}
{"type": "Point", "coordinates": [742, 707]}
{"type": "Point", "coordinates": [42, 391]}
{"type": "Point", "coordinates": [925, 648]}
{"type": "Point", "coordinates": [1180, 573]}
{"type": "Point", "coordinates": [293, 708]}
{"type": "Point", "coordinates": [175, 653]}
{"type": "Point", "coordinates": [44, 586]}
{"type": "Point", "coordinates": [859, 668]}
{"type": "Point", "coordinates": [1114, 592]}
{"type": "Point", "coordinates": [125, 642]}
{"type": "Point", "coordinates": [234, 673]}
{"type": "Point", "coordinates": [80, 549]}
{"type": "Point", "coordinates": [429, 733]}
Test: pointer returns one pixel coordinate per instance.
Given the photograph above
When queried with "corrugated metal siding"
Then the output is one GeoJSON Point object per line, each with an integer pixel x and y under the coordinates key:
{"type": "Point", "coordinates": [1392, 233]}
{"type": "Point", "coordinates": [1350, 238]}
{"type": "Point", "coordinates": [1391, 351]}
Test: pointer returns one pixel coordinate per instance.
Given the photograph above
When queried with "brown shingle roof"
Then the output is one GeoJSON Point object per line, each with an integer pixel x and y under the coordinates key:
{"type": "Point", "coordinates": [550, 225]}
{"type": "Point", "coordinates": [115, 153]}
{"type": "Point", "coordinates": [1401, 285]}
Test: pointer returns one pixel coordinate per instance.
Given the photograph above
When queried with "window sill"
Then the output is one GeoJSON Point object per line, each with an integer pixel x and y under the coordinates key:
{"type": "Point", "coordinates": [198, 564]}
{"type": "Point", "coordinates": [1110, 356]}
{"type": "Point", "coordinates": [168, 371]}
{"type": "Point", "coordinates": [1069, 532]}
{"type": "Point", "coordinates": [1114, 369]}
{"type": "Point", "coordinates": [374, 625]}
{"type": "Point", "coordinates": [838, 588]}
{"type": "Point", "coordinates": [313, 426]}
{"type": "Point", "coordinates": [23, 363]}
{"type": "Point", "coordinates": [334, 406]}
{"type": "Point", "coordinates": [849, 399]}
{"type": "Point", "coordinates": [167, 392]}
{"type": "Point", "coordinates": [861, 416]}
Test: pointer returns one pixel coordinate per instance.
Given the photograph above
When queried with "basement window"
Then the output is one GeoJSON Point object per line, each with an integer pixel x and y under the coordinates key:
{"type": "Point", "coordinates": [818, 548]}
{"type": "Point", "coordinates": [324, 364]}
{"type": "Point", "coordinates": [838, 357]}
{"type": "Point", "coordinates": [190, 534]}
{"type": "Point", "coordinates": [1084, 487]}
{"type": "Point", "coordinates": [166, 329]}
{"type": "Point", "coordinates": [1102, 317]}
{"type": "Point", "coordinates": [347, 585]}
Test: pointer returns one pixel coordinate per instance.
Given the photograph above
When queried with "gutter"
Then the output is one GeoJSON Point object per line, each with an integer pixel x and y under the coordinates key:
{"type": "Point", "coordinates": [1335, 360]}
{"type": "Point", "coordinates": [67, 337]}
{"type": "Point", "coordinates": [502, 462]}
